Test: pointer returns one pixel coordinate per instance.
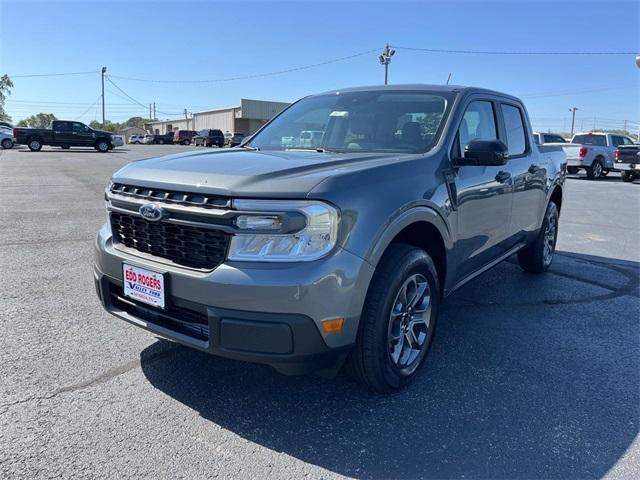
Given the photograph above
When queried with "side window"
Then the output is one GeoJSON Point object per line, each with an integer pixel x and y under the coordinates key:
{"type": "Point", "coordinates": [615, 140]}
{"type": "Point", "coordinates": [626, 141]}
{"type": "Point", "coordinates": [63, 127]}
{"type": "Point", "coordinates": [478, 123]}
{"type": "Point", "coordinates": [79, 127]}
{"type": "Point", "coordinates": [516, 140]}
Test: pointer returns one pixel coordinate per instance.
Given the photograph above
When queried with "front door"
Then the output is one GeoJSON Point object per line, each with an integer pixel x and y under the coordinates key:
{"type": "Point", "coordinates": [483, 195]}
{"type": "Point", "coordinates": [83, 135]}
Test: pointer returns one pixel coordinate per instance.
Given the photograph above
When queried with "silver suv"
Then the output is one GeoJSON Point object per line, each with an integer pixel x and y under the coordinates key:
{"type": "Point", "coordinates": [304, 256]}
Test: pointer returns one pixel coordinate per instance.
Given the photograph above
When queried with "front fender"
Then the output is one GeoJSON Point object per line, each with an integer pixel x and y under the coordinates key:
{"type": "Point", "coordinates": [405, 217]}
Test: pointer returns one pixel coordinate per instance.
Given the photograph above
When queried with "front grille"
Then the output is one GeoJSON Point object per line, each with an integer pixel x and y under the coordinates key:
{"type": "Point", "coordinates": [189, 320]}
{"type": "Point", "coordinates": [171, 196]}
{"type": "Point", "coordinates": [188, 246]}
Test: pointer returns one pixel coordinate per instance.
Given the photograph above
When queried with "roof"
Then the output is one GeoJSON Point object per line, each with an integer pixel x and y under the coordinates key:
{"type": "Point", "coordinates": [419, 87]}
{"type": "Point", "coordinates": [125, 129]}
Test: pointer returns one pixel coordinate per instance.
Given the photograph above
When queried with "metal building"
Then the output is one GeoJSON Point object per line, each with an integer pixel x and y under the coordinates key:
{"type": "Point", "coordinates": [246, 118]}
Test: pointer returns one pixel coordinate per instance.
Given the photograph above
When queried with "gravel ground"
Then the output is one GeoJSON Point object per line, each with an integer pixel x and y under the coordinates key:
{"type": "Point", "coordinates": [529, 376]}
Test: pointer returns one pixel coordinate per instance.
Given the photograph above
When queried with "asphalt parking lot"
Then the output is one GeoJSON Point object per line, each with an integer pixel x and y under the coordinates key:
{"type": "Point", "coordinates": [529, 376]}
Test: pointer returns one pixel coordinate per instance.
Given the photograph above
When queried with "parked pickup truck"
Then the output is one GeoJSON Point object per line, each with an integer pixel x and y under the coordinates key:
{"type": "Point", "coordinates": [162, 139]}
{"type": "Point", "coordinates": [63, 134]}
{"type": "Point", "coordinates": [593, 152]}
{"type": "Point", "coordinates": [306, 257]}
{"type": "Point", "coordinates": [628, 162]}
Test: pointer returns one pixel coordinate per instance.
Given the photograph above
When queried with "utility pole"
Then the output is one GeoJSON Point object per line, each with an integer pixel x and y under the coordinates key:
{"type": "Point", "coordinates": [154, 111]}
{"type": "Point", "coordinates": [150, 117]}
{"type": "Point", "coordinates": [573, 118]}
{"type": "Point", "coordinates": [385, 59]}
{"type": "Point", "coordinates": [104, 70]}
{"type": "Point", "coordinates": [186, 118]}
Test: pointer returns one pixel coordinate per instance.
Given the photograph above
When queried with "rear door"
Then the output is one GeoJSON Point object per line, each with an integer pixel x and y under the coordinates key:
{"type": "Point", "coordinates": [483, 193]}
{"type": "Point", "coordinates": [62, 133]}
{"type": "Point", "coordinates": [528, 168]}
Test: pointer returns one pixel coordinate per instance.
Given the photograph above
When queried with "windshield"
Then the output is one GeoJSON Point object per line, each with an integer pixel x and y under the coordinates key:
{"type": "Point", "coordinates": [377, 121]}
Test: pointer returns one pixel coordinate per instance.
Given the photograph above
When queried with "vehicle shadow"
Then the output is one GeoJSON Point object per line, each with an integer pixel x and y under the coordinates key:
{"type": "Point", "coordinates": [70, 150]}
{"type": "Point", "coordinates": [529, 377]}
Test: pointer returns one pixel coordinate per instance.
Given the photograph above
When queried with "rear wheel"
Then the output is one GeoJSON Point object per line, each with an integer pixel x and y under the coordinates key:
{"type": "Point", "coordinates": [35, 145]}
{"type": "Point", "coordinates": [627, 176]}
{"type": "Point", "coordinates": [572, 170]}
{"type": "Point", "coordinates": [7, 143]}
{"type": "Point", "coordinates": [398, 320]}
{"type": "Point", "coordinates": [186, 142]}
{"type": "Point", "coordinates": [594, 172]}
{"type": "Point", "coordinates": [538, 255]}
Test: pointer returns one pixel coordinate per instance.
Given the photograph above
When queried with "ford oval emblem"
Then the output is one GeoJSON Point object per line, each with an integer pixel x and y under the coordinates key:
{"type": "Point", "coordinates": [151, 212]}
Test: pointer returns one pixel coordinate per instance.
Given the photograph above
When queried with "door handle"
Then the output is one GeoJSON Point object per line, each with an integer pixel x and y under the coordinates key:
{"type": "Point", "coordinates": [502, 176]}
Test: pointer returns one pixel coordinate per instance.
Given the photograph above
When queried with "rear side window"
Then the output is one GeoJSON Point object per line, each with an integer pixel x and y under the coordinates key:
{"type": "Point", "coordinates": [553, 139]}
{"type": "Point", "coordinates": [63, 126]}
{"type": "Point", "coordinates": [516, 139]}
{"type": "Point", "coordinates": [600, 140]}
{"type": "Point", "coordinates": [478, 123]}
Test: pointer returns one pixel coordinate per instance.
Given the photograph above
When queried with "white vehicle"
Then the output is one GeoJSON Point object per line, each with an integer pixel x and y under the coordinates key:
{"type": "Point", "coordinates": [311, 138]}
{"type": "Point", "coordinates": [6, 139]}
{"type": "Point", "coordinates": [593, 152]}
{"type": "Point", "coordinates": [136, 139]}
{"type": "Point", "coordinates": [544, 138]}
{"type": "Point", "coordinates": [117, 140]}
{"type": "Point", "coordinates": [147, 139]}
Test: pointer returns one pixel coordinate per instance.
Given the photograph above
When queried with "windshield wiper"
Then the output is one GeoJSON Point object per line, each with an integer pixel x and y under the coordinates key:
{"type": "Point", "coordinates": [312, 149]}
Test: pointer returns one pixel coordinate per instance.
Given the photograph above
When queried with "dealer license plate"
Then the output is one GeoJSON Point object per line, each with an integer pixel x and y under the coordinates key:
{"type": "Point", "coordinates": [143, 285]}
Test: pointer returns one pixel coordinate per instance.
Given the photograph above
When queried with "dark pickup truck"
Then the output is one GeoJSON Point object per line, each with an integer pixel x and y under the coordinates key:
{"type": "Point", "coordinates": [63, 134]}
{"type": "Point", "coordinates": [341, 248]}
{"type": "Point", "coordinates": [627, 160]}
{"type": "Point", "coordinates": [162, 139]}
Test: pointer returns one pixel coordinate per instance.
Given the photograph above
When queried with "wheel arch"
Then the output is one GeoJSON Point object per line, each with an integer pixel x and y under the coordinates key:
{"type": "Point", "coordinates": [422, 227]}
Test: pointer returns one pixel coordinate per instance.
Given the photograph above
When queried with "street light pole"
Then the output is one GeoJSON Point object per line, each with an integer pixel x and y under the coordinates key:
{"type": "Point", "coordinates": [573, 119]}
{"type": "Point", "coordinates": [104, 70]}
{"type": "Point", "coordinates": [385, 59]}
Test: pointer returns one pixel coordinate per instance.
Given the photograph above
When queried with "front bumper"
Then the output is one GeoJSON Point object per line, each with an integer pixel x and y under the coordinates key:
{"type": "Point", "coordinates": [263, 313]}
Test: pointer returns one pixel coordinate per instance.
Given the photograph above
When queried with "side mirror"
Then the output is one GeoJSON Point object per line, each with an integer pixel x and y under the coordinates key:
{"type": "Point", "coordinates": [484, 153]}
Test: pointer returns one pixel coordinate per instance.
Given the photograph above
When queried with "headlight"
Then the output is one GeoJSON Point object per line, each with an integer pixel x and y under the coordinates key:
{"type": "Point", "coordinates": [308, 230]}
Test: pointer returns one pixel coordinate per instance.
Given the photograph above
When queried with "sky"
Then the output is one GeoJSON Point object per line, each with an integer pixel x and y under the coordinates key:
{"type": "Point", "coordinates": [190, 41]}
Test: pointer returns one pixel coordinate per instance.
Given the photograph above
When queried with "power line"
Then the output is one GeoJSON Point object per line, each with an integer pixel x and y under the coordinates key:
{"type": "Point", "coordinates": [90, 107]}
{"type": "Point", "coordinates": [506, 52]}
{"type": "Point", "coordinates": [133, 99]}
{"type": "Point", "coordinates": [255, 75]}
{"type": "Point", "coordinates": [52, 74]}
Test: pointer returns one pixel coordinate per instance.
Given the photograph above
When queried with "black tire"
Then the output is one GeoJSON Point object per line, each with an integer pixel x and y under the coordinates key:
{"type": "Point", "coordinates": [594, 172]}
{"type": "Point", "coordinates": [605, 172]}
{"type": "Point", "coordinates": [534, 258]}
{"type": "Point", "coordinates": [102, 146]}
{"type": "Point", "coordinates": [161, 142]}
{"type": "Point", "coordinates": [572, 170]}
{"type": "Point", "coordinates": [186, 142]}
{"type": "Point", "coordinates": [371, 361]}
{"type": "Point", "coordinates": [7, 144]}
{"type": "Point", "coordinates": [34, 144]}
{"type": "Point", "coordinates": [627, 176]}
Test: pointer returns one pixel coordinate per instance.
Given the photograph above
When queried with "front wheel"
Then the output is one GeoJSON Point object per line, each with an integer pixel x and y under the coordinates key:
{"type": "Point", "coordinates": [627, 176]}
{"type": "Point", "coordinates": [186, 142]}
{"type": "Point", "coordinates": [538, 255]}
{"type": "Point", "coordinates": [398, 320]}
{"type": "Point", "coordinates": [102, 146]}
{"type": "Point", "coordinates": [7, 143]}
{"type": "Point", "coordinates": [572, 170]}
{"type": "Point", "coordinates": [594, 172]}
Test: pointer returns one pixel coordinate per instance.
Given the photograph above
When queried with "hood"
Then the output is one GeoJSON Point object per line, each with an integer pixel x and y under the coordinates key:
{"type": "Point", "coordinates": [103, 132]}
{"type": "Point", "coordinates": [283, 174]}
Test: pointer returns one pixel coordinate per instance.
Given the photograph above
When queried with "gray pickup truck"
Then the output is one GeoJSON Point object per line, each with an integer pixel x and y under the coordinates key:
{"type": "Point", "coordinates": [593, 152]}
{"type": "Point", "coordinates": [304, 257]}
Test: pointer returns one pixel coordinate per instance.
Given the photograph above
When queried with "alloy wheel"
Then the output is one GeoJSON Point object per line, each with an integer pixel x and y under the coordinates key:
{"type": "Point", "coordinates": [409, 322]}
{"type": "Point", "coordinates": [550, 234]}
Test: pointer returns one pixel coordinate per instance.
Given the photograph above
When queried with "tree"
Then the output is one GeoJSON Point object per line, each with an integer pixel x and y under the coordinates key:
{"type": "Point", "coordinates": [109, 126]}
{"type": "Point", "coordinates": [5, 89]}
{"type": "Point", "coordinates": [39, 120]}
{"type": "Point", "coordinates": [135, 122]}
